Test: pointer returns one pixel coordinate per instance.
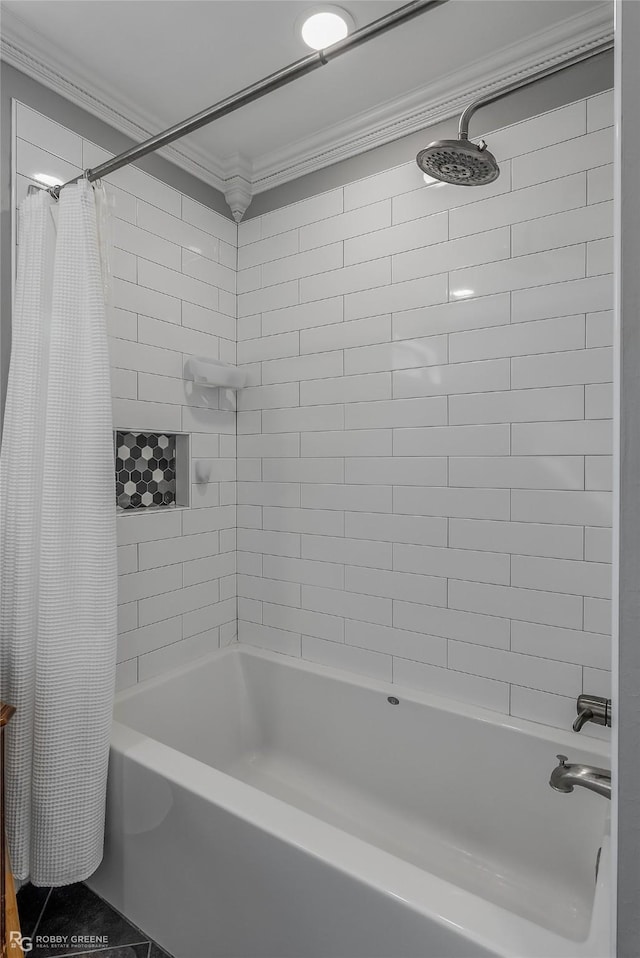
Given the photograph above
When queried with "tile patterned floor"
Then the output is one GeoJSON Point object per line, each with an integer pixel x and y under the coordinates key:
{"type": "Point", "coordinates": [62, 921]}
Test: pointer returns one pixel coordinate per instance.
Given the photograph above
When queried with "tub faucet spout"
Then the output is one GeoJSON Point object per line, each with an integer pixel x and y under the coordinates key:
{"type": "Point", "coordinates": [565, 777]}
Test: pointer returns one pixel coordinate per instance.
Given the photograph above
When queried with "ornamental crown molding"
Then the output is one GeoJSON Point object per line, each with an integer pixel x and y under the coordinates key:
{"type": "Point", "coordinates": [28, 51]}
{"type": "Point", "coordinates": [238, 182]}
{"type": "Point", "coordinates": [236, 177]}
{"type": "Point", "coordinates": [435, 102]}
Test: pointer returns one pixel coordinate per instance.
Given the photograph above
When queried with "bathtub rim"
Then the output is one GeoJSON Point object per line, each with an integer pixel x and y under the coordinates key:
{"type": "Point", "coordinates": [486, 924]}
{"type": "Point", "coordinates": [442, 703]}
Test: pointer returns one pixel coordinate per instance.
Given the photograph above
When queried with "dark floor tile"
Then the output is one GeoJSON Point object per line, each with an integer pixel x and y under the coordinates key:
{"type": "Point", "coordinates": [31, 901]}
{"type": "Point", "coordinates": [74, 911]}
{"type": "Point", "coordinates": [157, 952]}
{"type": "Point", "coordinates": [125, 951]}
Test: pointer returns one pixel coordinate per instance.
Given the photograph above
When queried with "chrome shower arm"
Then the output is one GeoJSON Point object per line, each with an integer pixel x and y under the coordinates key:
{"type": "Point", "coordinates": [517, 84]}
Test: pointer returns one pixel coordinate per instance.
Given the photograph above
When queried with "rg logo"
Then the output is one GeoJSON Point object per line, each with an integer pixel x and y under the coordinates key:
{"type": "Point", "coordinates": [15, 938]}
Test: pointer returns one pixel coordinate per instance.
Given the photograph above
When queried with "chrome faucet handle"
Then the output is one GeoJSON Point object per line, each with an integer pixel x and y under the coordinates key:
{"type": "Point", "coordinates": [562, 759]}
{"type": "Point", "coordinates": [586, 715]}
{"type": "Point", "coordinates": [592, 708]}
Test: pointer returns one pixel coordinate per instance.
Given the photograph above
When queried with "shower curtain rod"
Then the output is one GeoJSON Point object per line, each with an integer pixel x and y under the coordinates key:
{"type": "Point", "coordinates": [253, 92]}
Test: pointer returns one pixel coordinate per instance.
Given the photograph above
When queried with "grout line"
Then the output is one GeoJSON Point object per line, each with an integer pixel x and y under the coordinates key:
{"type": "Point", "coordinates": [37, 924]}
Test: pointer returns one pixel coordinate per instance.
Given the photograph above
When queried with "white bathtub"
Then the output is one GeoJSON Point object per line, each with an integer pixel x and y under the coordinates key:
{"type": "Point", "coordinates": [262, 807]}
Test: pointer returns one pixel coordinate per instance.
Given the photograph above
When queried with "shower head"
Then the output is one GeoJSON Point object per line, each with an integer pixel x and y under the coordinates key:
{"type": "Point", "coordinates": [466, 164]}
{"type": "Point", "coordinates": [459, 162]}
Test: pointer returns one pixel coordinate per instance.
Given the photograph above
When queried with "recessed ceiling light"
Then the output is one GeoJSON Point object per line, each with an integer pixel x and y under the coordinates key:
{"type": "Point", "coordinates": [324, 26]}
{"type": "Point", "coordinates": [47, 180]}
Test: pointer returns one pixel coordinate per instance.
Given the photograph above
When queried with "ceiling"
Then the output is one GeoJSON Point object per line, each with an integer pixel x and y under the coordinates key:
{"type": "Point", "coordinates": [146, 64]}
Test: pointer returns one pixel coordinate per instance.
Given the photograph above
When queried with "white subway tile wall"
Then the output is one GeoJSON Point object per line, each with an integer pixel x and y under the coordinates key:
{"type": "Point", "coordinates": [425, 445]}
{"type": "Point", "coordinates": [173, 295]}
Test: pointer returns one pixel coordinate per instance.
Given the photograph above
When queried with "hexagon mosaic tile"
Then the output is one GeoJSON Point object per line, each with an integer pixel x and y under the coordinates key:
{"type": "Point", "coordinates": [145, 470]}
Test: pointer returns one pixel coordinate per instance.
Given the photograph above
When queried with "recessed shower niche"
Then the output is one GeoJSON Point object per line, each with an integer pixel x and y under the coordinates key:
{"type": "Point", "coordinates": [152, 470]}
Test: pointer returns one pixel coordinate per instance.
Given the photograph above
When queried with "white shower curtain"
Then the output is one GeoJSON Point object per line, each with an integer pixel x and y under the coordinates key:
{"type": "Point", "coordinates": [58, 549]}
